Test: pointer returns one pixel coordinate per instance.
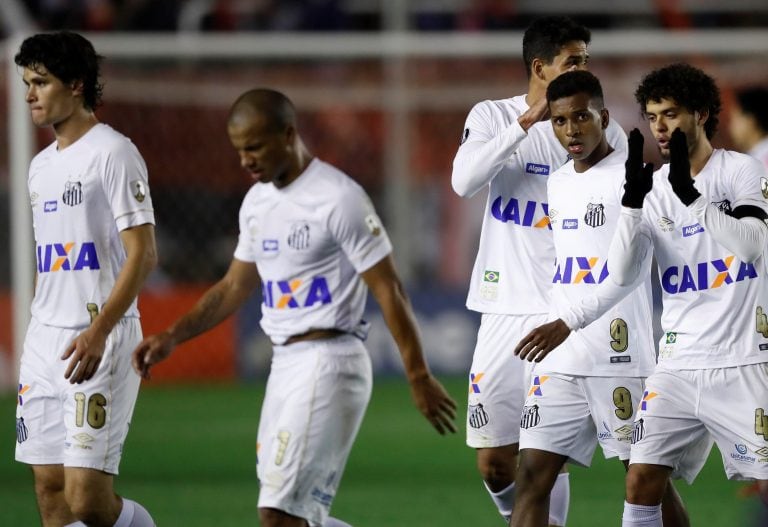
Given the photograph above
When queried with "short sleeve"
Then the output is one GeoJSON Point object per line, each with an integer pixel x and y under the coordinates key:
{"type": "Point", "coordinates": [354, 224]}
{"type": "Point", "coordinates": [126, 185]}
{"type": "Point", "coordinates": [245, 247]}
{"type": "Point", "coordinates": [750, 184]}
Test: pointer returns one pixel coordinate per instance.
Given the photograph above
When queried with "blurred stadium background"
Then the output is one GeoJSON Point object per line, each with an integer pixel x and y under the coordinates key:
{"type": "Point", "coordinates": [382, 89]}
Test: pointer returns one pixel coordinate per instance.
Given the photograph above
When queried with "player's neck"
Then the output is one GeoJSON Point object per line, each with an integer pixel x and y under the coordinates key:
{"type": "Point", "coordinates": [602, 151]}
{"type": "Point", "coordinates": [302, 160]}
{"type": "Point", "coordinates": [535, 93]}
{"type": "Point", "coordinates": [73, 128]}
{"type": "Point", "coordinates": [700, 156]}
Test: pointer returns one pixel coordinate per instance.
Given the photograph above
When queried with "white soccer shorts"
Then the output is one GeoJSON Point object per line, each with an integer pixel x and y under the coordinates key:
{"type": "Point", "coordinates": [77, 425]}
{"type": "Point", "coordinates": [683, 411]}
{"type": "Point", "coordinates": [316, 396]}
{"type": "Point", "coordinates": [498, 380]}
{"type": "Point", "coordinates": [569, 415]}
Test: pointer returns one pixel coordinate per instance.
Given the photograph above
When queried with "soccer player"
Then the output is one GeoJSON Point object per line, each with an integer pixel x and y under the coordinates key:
{"type": "Point", "coordinates": [748, 124]}
{"type": "Point", "coordinates": [703, 215]}
{"type": "Point", "coordinates": [94, 229]}
{"type": "Point", "coordinates": [585, 393]}
{"type": "Point", "coordinates": [310, 237]}
{"type": "Point", "coordinates": [507, 148]}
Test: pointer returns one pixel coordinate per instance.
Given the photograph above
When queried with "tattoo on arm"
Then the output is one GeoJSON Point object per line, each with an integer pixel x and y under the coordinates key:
{"type": "Point", "coordinates": [203, 317]}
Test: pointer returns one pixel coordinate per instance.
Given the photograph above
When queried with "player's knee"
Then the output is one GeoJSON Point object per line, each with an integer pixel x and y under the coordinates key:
{"type": "Point", "coordinates": [81, 508]}
{"type": "Point", "coordinates": [497, 467]}
{"type": "Point", "coordinates": [48, 485]}
{"type": "Point", "coordinates": [536, 475]}
{"type": "Point", "coordinates": [645, 485]}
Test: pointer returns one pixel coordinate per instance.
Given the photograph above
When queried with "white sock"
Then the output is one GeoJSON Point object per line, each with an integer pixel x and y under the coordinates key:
{"type": "Point", "coordinates": [641, 515]}
{"type": "Point", "coordinates": [134, 515]}
{"type": "Point", "coordinates": [504, 500]}
{"type": "Point", "coordinates": [560, 500]}
{"type": "Point", "coordinates": [335, 522]}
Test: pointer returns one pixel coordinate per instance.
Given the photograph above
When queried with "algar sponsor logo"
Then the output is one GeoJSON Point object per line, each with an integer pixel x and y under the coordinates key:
{"type": "Point", "coordinates": [690, 230]}
{"type": "Point", "coordinates": [537, 168]}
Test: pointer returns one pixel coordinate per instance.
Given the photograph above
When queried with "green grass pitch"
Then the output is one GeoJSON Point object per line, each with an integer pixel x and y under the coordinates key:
{"type": "Point", "coordinates": [190, 460]}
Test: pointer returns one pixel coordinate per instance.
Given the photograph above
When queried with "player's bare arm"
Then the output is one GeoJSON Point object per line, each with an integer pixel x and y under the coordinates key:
{"type": "Point", "coordinates": [430, 397]}
{"type": "Point", "coordinates": [86, 351]}
{"type": "Point", "coordinates": [217, 304]}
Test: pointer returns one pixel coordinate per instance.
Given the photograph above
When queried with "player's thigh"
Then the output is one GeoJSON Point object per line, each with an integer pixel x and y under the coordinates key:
{"type": "Point", "coordinates": [667, 430]}
{"type": "Point", "coordinates": [556, 418]}
{"type": "Point", "coordinates": [734, 408]}
{"type": "Point", "coordinates": [612, 402]}
{"type": "Point", "coordinates": [97, 412]}
{"type": "Point", "coordinates": [316, 396]}
{"type": "Point", "coordinates": [498, 381]}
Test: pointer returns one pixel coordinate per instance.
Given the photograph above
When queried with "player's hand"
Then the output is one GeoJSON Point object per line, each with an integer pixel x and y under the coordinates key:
{"type": "Point", "coordinates": [434, 403]}
{"type": "Point", "coordinates": [85, 353]}
{"type": "Point", "coordinates": [541, 341]}
{"type": "Point", "coordinates": [638, 177]}
{"type": "Point", "coordinates": [680, 168]}
{"type": "Point", "coordinates": [150, 351]}
{"type": "Point", "coordinates": [538, 111]}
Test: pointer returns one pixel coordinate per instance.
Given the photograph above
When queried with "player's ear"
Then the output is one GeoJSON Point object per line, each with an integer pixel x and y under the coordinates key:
{"type": "Point", "coordinates": [77, 87]}
{"type": "Point", "coordinates": [290, 134]}
{"type": "Point", "coordinates": [702, 116]}
{"type": "Point", "coordinates": [537, 69]}
{"type": "Point", "coordinates": [604, 118]}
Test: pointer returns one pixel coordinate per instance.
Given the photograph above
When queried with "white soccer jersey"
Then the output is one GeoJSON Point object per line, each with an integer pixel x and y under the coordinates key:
{"type": "Point", "coordinates": [584, 209]}
{"type": "Point", "coordinates": [82, 197]}
{"type": "Point", "coordinates": [715, 307]}
{"type": "Point", "coordinates": [513, 268]}
{"type": "Point", "coordinates": [309, 241]}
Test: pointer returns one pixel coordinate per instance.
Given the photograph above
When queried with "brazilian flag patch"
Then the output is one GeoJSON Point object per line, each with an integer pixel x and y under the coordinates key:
{"type": "Point", "coordinates": [671, 337]}
{"type": "Point", "coordinates": [491, 276]}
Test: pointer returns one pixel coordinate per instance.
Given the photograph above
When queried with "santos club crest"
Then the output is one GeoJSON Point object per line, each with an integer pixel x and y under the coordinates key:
{"type": "Point", "coordinates": [595, 216]}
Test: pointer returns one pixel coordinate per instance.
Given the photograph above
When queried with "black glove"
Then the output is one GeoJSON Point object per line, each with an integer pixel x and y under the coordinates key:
{"type": "Point", "coordinates": [680, 169]}
{"type": "Point", "coordinates": [639, 177]}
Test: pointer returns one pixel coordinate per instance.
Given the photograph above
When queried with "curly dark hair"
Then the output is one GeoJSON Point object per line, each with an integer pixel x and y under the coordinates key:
{"type": "Point", "coordinates": [573, 82]}
{"type": "Point", "coordinates": [688, 86]}
{"type": "Point", "coordinates": [754, 101]}
{"type": "Point", "coordinates": [546, 35]}
{"type": "Point", "coordinates": [69, 57]}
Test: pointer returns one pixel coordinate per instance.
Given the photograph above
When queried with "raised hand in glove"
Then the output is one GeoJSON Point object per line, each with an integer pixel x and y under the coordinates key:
{"type": "Point", "coordinates": [639, 177]}
{"type": "Point", "coordinates": [680, 169]}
